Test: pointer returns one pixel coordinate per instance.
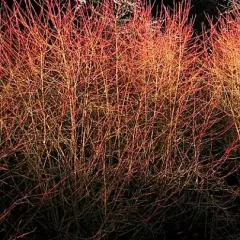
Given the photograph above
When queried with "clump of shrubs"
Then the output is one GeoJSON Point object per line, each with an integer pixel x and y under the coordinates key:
{"type": "Point", "coordinates": [113, 128]}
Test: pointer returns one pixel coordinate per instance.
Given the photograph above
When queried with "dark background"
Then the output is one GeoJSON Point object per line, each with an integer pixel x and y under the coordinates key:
{"type": "Point", "coordinates": [199, 8]}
